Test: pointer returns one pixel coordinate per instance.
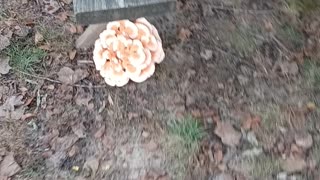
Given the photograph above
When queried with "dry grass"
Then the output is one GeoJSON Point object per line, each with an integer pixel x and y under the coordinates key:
{"type": "Point", "coordinates": [243, 41]}
{"type": "Point", "coordinates": [271, 117]}
{"type": "Point", "coordinates": [263, 166]}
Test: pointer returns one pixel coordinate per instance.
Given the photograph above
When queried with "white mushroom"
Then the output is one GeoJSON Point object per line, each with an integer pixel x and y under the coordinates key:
{"type": "Point", "coordinates": [127, 50]}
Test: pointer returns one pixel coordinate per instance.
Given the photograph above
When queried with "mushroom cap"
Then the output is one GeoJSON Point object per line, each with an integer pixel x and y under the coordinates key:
{"type": "Point", "coordinates": [128, 50]}
{"type": "Point", "coordinates": [145, 74]}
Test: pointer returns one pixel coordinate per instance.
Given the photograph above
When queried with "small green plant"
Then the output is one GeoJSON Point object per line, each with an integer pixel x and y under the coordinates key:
{"type": "Point", "coordinates": [24, 58]}
{"type": "Point", "coordinates": [291, 36]}
{"type": "Point", "coordinates": [312, 74]}
{"type": "Point", "coordinates": [188, 130]}
{"type": "Point", "coordinates": [181, 143]}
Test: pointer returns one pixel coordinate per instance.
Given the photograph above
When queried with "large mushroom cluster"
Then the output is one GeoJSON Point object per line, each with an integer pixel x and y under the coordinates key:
{"type": "Point", "coordinates": [128, 50]}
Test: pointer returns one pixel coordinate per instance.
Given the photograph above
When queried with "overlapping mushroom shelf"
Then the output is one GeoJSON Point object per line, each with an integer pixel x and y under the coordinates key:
{"type": "Point", "coordinates": [128, 50]}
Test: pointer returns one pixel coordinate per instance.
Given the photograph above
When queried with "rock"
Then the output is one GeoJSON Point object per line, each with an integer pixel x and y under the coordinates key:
{"type": "Point", "coordinates": [292, 164]}
{"type": "Point", "coordinates": [206, 54]}
{"type": "Point", "coordinates": [304, 140]}
{"type": "Point", "coordinates": [145, 134]}
{"type": "Point", "coordinates": [282, 176]}
{"type": "Point", "coordinates": [252, 152]}
{"type": "Point", "coordinates": [251, 137]}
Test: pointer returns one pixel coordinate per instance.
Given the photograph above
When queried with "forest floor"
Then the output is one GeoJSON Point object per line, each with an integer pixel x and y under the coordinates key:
{"type": "Point", "coordinates": [237, 97]}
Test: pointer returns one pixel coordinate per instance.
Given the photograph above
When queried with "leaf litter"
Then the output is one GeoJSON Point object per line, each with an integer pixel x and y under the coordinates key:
{"type": "Point", "coordinates": [9, 166]}
{"type": "Point", "coordinates": [69, 76]}
{"type": "Point", "coordinates": [229, 136]}
{"type": "Point", "coordinates": [4, 64]}
{"type": "Point", "coordinates": [12, 108]}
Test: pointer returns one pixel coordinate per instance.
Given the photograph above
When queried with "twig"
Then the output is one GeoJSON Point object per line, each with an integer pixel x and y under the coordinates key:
{"type": "Point", "coordinates": [263, 11]}
{"type": "Point", "coordinates": [59, 82]}
{"type": "Point", "coordinates": [280, 44]}
{"type": "Point", "coordinates": [84, 62]}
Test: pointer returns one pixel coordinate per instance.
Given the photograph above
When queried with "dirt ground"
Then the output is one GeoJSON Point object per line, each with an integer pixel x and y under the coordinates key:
{"type": "Point", "coordinates": [237, 96]}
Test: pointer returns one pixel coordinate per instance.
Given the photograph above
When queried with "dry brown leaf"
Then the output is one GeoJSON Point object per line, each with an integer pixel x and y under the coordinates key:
{"type": "Point", "coordinates": [38, 37]}
{"type": "Point", "coordinates": [4, 42]}
{"type": "Point", "coordinates": [268, 25]}
{"type": "Point", "coordinates": [251, 122]}
{"type": "Point", "coordinates": [68, 76]}
{"type": "Point", "coordinates": [9, 166]}
{"type": "Point", "coordinates": [79, 130]}
{"type": "Point", "coordinates": [100, 132]}
{"type": "Point", "coordinates": [10, 110]}
{"type": "Point", "coordinates": [79, 29]}
{"type": "Point", "coordinates": [304, 140]}
{"type": "Point", "coordinates": [4, 64]}
{"type": "Point", "coordinates": [229, 136]}
{"type": "Point", "coordinates": [62, 16]}
{"type": "Point", "coordinates": [293, 164]}
{"type": "Point", "coordinates": [218, 156]}
{"type": "Point", "coordinates": [184, 34]}
{"type": "Point", "coordinates": [71, 28]}
{"type": "Point", "coordinates": [92, 164]}
{"type": "Point", "coordinates": [72, 54]}
{"type": "Point", "coordinates": [27, 116]}
{"type": "Point", "coordinates": [73, 151]}
{"type": "Point", "coordinates": [65, 143]}
{"type": "Point", "coordinates": [51, 6]}
{"type": "Point", "coordinates": [151, 146]}
{"type": "Point", "coordinates": [83, 99]}
{"type": "Point", "coordinates": [289, 68]}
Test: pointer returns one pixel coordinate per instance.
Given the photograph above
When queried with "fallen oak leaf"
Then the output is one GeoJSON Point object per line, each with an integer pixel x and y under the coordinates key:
{"type": "Point", "coordinates": [4, 64]}
{"type": "Point", "coordinates": [184, 34]}
{"type": "Point", "coordinates": [79, 130]}
{"type": "Point", "coordinates": [4, 42]}
{"type": "Point", "coordinates": [71, 28]}
{"type": "Point", "coordinates": [9, 166]}
{"type": "Point", "coordinates": [229, 136]}
{"type": "Point", "coordinates": [293, 164]}
{"type": "Point", "coordinates": [62, 16]}
{"type": "Point", "coordinates": [51, 6]}
{"type": "Point", "coordinates": [79, 29]}
{"type": "Point", "coordinates": [68, 76]}
{"type": "Point", "coordinates": [251, 122]}
{"type": "Point", "coordinates": [92, 164]}
{"type": "Point", "coordinates": [100, 132]}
